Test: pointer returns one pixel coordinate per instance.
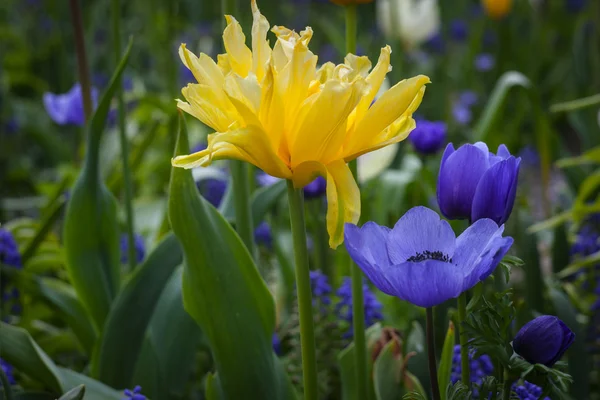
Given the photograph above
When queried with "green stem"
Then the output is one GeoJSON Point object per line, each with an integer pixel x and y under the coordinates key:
{"type": "Point", "coordinates": [464, 340]}
{"type": "Point", "coordinates": [82, 65]}
{"type": "Point", "coordinates": [435, 389]}
{"type": "Point", "coordinates": [128, 186]}
{"type": "Point", "coordinates": [506, 386]}
{"type": "Point", "coordinates": [358, 309]}
{"type": "Point", "coordinates": [307, 335]}
{"type": "Point", "coordinates": [577, 104]}
{"type": "Point", "coordinates": [6, 392]}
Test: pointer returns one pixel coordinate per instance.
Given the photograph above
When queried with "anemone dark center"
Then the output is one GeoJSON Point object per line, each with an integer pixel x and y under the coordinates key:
{"type": "Point", "coordinates": [430, 255]}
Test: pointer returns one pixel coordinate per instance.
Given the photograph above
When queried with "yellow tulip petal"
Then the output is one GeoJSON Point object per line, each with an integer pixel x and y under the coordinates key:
{"type": "Point", "coordinates": [394, 133]}
{"type": "Point", "coordinates": [205, 157]}
{"type": "Point", "coordinates": [360, 65]}
{"type": "Point", "coordinates": [223, 64]}
{"type": "Point", "coordinates": [343, 201]}
{"type": "Point", "coordinates": [203, 68]}
{"type": "Point", "coordinates": [247, 90]}
{"type": "Point", "coordinates": [324, 118]}
{"type": "Point", "coordinates": [209, 105]}
{"type": "Point", "coordinates": [240, 56]}
{"type": "Point", "coordinates": [388, 108]}
{"type": "Point", "coordinates": [261, 52]}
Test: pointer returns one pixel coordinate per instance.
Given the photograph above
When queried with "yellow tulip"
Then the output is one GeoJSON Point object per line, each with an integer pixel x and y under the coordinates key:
{"type": "Point", "coordinates": [497, 8]}
{"type": "Point", "coordinates": [273, 108]}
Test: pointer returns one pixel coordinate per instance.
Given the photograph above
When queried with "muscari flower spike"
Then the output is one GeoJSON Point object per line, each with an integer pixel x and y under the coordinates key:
{"type": "Point", "coordinates": [140, 248]}
{"type": "Point", "coordinates": [428, 137]}
{"type": "Point", "coordinates": [135, 394]}
{"type": "Point", "coordinates": [528, 391]}
{"type": "Point", "coordinates": [343, 308]}
{"type": "Point", "coordinates": [263, 235]}
{"type": "Point", "coordinates": [474, 183]}
{"type": "Point", "coordinates": [421, 260]}
{"type": "Point", "coordinates": [480, 368]}
{"type": "Point", "coordinates": [9, 249]}
{"type": "Point", "coordinates": [320, 287]}
{"type": "Point", "coordinates": [484, 62]}
{"type": "Point", "coordinates": [8, 372]}
{"type": "Point", "coordinates": [543, 340]}
{"type": "Point", "coordinates": [273, 108]}
{"type": "Point", "coordinates": [67, 108]}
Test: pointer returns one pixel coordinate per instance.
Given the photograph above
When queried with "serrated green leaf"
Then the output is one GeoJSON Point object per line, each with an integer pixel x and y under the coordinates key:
{"type": "Point", "coordinates": [91, 230]}
{"type": "Point", "coordinates": [131, 313]}
{"type": "Point", "coordinates": [225, 294]}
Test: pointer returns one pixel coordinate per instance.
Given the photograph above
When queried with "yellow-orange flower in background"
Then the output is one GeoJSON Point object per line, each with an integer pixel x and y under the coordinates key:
{"type": "Point", "coordinates": [497, 8]}
{"type": "Point", "coordinates": [273, 108]}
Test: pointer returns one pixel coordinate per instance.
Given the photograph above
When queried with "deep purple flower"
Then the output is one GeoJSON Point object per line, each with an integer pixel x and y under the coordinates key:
{"type": "Point", "coordinates": [343, 308]}
{"type": "Point", "coordinates": [428, 137]}
{"type": "Point", "coordinates": [8, 372]}
{"type": "Point", "coordinates": [9, 250]}
{"type": "Point", "coordinates": [276, 344]}
{"type": "Point", "coordinates": [263, 236]}
{"type": "Point", "coordinates": [480, 368]}
{"type": "Point", "coordinates": [528, 391]}
{"type": "Point", "coordinates": [135, 394]}
{"type": "Point", "coordinates": [421, 260]}
{"type": "Point", "coordinates": [459, 30]}
{"type": "Point", "coordinates": [484, 62]}
{"type": "Point", "coordinates": [320, 287]}
{"type": "Point", "coordinates": [543, 340]}
{"type": "Point", "coordinates": [67, 108]}
{"type": "Point", "coordinates": [474, 183]}
{"type": "Point", "coordinates": [140, 248]}
{"type": "Point", "coordinates": [316, 188]}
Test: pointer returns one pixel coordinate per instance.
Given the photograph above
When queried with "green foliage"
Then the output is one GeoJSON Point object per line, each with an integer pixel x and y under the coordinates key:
{"type": "Point", "coordinates": [76, 393]}
{"type": "Point", "coordinates": [445, 366]}
{"type": "Point", "coordinates": [91, 232]}
{"type": "Point", "coordinates": [224, 293]}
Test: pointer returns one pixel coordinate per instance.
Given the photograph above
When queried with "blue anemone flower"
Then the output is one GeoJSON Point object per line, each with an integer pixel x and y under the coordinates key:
{"type": "Point", "coordinates": [421, 260]}
{"type": "Point", "coordinates": [135, 394]}
{"type": "Point", "coordinates": [474, 183]}
{"type": "Point", "coordinates": [543, 340]}
{"type": "Point", "coordinates": [428, 137]}
{"type": "Point", "coordinates": [67, 108]}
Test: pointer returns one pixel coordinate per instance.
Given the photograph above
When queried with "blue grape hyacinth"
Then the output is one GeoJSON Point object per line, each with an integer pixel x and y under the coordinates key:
{"type": "Point", "coordinates": [263, 235]}
{"type": "Point", "coordinates": [343, 308]}
{"type": "Point", "coordinates": [480, 367]}
{"type": "Point", "coordinates": [9, 250]}
{"type": "Point", "coordinates": [8, 372]}
{"type": "Point", "coordinates": [140, 248]}
{"type": "Point", "coordinates": [528, 391]}
{"type": "Point", "coordinates": [320, 287]}
{"type": "Point", "coordinates": [135, 394]}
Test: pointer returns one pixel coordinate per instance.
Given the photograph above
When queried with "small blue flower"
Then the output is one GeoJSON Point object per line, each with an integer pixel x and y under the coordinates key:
{"type": "Point", "coordinates": [543, 340]}
{"type": "Point", "coordinates": [140, 248]}
{"type": "Point", "coordinates": [484, 62]}
{"type": "Point", "coordinates": [428, 137]}
{"type": "Point", "coordinates": [263, 236]}
{"type": "Point", "coordinates": [213, 190]}
{"type": "Point", "coordinates": [317, 188]}
{"type": "Point", "coordinates": [528, 391]}
{"type": "Point", "coordinates": [474, 183]}
{"type": "Point", "coordinates": [320, 287]}
{"type": "Point", "coordinates": [436, 43]}
{"type": "Point", "coordinates": [67, 108]}
{"type": "Point", "coordinates": [9, 250]}
{"type": "Point", "coordinates": [343, 308]}
{"type": "Point", "coordinates": [468, 98]}
{"type": "Point", "coordinates": [461, 113]}
{"type": "Point", "coordinates": [135, 394]}
{"type": "Point", "coordinates": [276, 344]}
{"type": "Point", "coordinates": [575, 6]}
{"type": "Point", "coordinates": [479, 367]}
{"type": "Point", "coordinates": [459, 30]}
{"type": "Point", "coordinates": [8, 371]}
{"type": "Point", "coordinates": [421, 260]}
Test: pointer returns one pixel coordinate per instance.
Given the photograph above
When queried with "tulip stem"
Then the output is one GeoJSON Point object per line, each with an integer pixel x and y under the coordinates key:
{"type": "Point", "coordinates": [358, 310]}
{"type": "Point", "coordinates": [303, 289]}
{"type": "Point", "coordinates": [241, 198]}
{"type": "Point", "coordinates": [464, 339]}
{"type": "Point", "coordinates": [131, 257]}
{"type": "Point", "coordinates": [82, 64]}
{"type": "Point", "coordinates": [435, 389]}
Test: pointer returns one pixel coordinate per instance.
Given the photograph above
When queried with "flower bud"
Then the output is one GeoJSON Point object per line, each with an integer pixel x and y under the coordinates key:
{"type": "Point", "coordinates": [543, 340]}
{"type": "Point", "coordinates": [428, 137]}
{"type": "Point", "coordinates": [497, 8]}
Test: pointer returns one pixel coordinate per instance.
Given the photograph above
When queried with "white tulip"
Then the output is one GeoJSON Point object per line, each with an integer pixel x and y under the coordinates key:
{"type": "Point", "coordinates": [412, 21]}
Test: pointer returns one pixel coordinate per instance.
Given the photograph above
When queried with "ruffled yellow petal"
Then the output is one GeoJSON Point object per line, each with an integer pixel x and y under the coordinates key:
{"type": "Point", "coordinates": [209, 105]}
{"type": "Point", "coordinates": [240, 56]}
{"type": "Point", "coordinates": [360, 65]}
{"type": "Point", "coordinates": [343, 201]}
{"type": "Point", "coordinates": [204, 68]}
{"type": "Point", "coordinates": [261, 52]}
{"type": "Point", "coordinates": [323, 117]}
{"type": "Point", "coordinates": [392, 105]}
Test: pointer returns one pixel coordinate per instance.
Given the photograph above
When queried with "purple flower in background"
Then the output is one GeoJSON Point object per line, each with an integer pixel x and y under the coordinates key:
{"type": "Point", "coordinates": [474, 183]}
{"type": "Point", "coordinates": [213, 190]}
{"type": "Point", "coordinates": [484, 62]}
{"type": "Point", "coordinates": [421, 260]}
{"type": "Point", "coordinates": [8, 372]}
{"type": "Point", "coordinates": [530, 156]}
{"type": "Point", "coordinates": [276, 344]}
{"type": "Point", "coordinates": [428, 137]}
{"type": "Point", "coordinates": [528, 391]}
{"type": "Point", "coordinates": [11, 126]}
{"type": "Point", "coordinates": [316, 188]}
{"type": "Point", "coordinates": [263, 236]}
{"type": "Point", "coordinates": [320, 287]}
{"type": "Point", "coordinates": [543, 340]}
{"type": "Point", "coordinates": [67, 108]}
{"type": "Point", "coordinates": [462, 114]}
{"type": "Point", "coordinates": [329, 53]}
{"type": "Point", "coordinates": [135, 394]}
{"type": "Point", "coordinates": [480, 368]}
{"type": "Point", "coordinates": [575, 6]}
{"type": "Point", "coordinates": [459, 30]}
{"type": "Point", "coordinates": [140, 248]}
{"type": "Point", "coordinates": [264, 179]}
{"type": "Point", "coordinates": [9, 250]}
{"type": "Point", "coordinates": [436, 43]}
{"type": "Point", "coordinates": [468, 98]}
{"type": "Point", "coordinates": [343, 308]}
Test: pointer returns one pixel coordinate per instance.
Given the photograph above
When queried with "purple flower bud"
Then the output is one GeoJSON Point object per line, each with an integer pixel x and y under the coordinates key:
{"type": "Point", "coordinates": [543, 340]}
{"type": "Point", "coordinates": [484, 62]}
{"type": "Point", "coordinates": [474, 183]}
{"type": "Point", "coordinates": [428, 137]}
